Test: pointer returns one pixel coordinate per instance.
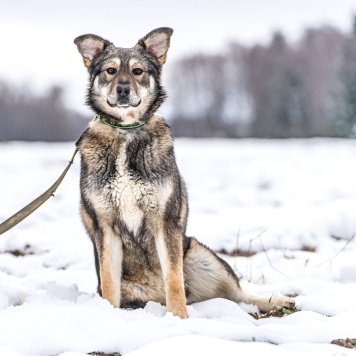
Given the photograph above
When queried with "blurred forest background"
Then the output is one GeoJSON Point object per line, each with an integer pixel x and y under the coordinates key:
{"type": "Point", "coordinates": [276, 90]}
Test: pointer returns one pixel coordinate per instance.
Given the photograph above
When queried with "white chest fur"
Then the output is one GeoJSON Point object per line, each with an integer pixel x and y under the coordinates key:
{"type": "Point", "coordinates": [131, 195]}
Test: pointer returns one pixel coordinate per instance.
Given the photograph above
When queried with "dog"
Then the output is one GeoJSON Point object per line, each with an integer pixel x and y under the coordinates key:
{"type": "Point", "coordinates": [134, 202]}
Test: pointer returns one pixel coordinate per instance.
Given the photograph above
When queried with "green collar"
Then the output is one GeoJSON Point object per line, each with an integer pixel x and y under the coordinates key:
{"type": "Point", "coordinates": [123, 127]}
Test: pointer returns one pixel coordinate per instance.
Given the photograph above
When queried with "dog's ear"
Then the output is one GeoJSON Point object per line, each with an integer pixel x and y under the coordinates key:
{"type": "Point", "coordinates": [90, 47]}
{"type": "Point", "coordinates": [156, 43]}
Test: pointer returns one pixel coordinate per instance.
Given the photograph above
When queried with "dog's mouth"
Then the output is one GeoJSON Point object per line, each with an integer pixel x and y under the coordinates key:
{"type": "Point", "coordinates": [131, 102]}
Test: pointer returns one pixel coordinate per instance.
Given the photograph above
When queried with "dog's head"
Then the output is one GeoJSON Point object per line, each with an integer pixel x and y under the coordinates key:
{"type": "Point", "coordinates": [125, 82]}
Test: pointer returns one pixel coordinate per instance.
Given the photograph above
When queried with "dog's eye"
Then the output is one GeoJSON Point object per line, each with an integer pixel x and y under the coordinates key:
{"type": "Point", "coordinates": [137, 71]}
{"type": "Point", "coordinates": [111, 70]}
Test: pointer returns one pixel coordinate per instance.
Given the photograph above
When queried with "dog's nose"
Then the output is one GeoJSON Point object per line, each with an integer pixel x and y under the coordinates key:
{"type": "Point", "coordinates": [123, 91]}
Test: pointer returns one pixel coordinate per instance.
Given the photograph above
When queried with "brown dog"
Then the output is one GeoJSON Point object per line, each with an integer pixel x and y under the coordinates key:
{"type": "Point", "coordinates": [133, 199]}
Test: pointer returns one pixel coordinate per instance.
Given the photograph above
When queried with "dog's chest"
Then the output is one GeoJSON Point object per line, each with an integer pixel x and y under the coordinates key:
{"type": "Point", "coordinates": [129, 193]}
{"type": "Point", "coordinates": [127, 189]}
{"type": "Point", "coordinates": [119, 188]}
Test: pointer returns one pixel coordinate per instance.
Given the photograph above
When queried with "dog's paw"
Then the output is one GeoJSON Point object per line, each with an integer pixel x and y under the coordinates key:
{"type": "Point", "coordinates": [280, 303]}
{"type": "Point", "coordinates": [180, 311]}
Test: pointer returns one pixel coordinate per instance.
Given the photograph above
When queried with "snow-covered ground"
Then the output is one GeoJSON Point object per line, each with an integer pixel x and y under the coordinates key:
{"type": "Point", "coordinates": [291, 203]}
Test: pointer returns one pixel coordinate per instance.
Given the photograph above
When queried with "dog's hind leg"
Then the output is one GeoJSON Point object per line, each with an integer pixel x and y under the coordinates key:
{"type": "Point", "coordinates": [207, 276]}
{"type": "Point", "coordinates": [265, 304]}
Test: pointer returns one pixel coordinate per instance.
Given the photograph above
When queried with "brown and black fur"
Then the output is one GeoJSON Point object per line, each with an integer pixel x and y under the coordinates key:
{"type": "Point", "coordinates": [133, 199]}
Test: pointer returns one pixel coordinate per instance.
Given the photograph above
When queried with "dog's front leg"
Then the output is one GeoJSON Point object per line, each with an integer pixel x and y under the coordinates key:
{"type": "Point", "coordinates": [110, 260]}
{"type": "Point", "coordinates": [170, 251]}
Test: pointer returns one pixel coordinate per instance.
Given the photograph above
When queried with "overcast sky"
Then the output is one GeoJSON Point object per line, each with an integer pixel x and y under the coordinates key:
{"type": "Point", "coordinates": [37, 35]}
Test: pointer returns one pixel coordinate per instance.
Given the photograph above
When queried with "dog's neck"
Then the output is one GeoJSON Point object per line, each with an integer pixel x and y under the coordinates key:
{"type": "Point", "coordinates": [110, 122]}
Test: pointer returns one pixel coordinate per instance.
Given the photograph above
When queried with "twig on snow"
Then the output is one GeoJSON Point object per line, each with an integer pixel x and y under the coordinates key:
{"type": "Point", "coordinates": [269, 261]}
{"type": "Point", "coordinates": [337, 253]}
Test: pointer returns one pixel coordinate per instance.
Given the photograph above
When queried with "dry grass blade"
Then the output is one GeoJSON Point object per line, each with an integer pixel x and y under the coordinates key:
{"type": "Point", "coordinates": [249, 253]}
{"type": "Point", "coordinates": [342, 249]}
{"type": "Point", "coordinates": [268, 259]}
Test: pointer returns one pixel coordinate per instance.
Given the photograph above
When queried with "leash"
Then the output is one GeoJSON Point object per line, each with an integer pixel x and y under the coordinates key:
{"type": "Point", "coordinates": [30, 208]}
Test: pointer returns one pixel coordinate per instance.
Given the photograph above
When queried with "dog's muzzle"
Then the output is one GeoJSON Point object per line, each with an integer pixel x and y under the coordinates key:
{"type": "Point", "coordinates": [122, 98]}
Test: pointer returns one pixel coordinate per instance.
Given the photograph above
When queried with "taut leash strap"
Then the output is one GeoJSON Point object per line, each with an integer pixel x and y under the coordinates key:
{"type": "Point", "coordinates": [30, 208]}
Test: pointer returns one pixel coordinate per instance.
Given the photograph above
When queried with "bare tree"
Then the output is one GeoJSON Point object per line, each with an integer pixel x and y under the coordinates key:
{"type": "Point", "coordinates": [209, 96]}
{"type": "Point", "coordinates": [273, 84]}
{"type": "Point", "coordinates": [345, 118]}
{"type": "Point", "coordinates": [320, 56]}
{"type": "Point", "coordinates": [25, 116]}
{"type": "Point", "coordinates": [280, 90]}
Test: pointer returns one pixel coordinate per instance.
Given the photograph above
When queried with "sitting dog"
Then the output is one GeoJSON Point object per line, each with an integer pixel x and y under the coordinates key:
{"type": "Point", "coordinates": [133, 199]}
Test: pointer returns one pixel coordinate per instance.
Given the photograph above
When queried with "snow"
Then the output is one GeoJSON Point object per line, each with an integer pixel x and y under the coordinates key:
{"type": "Point", "coordinates": [290, 204]}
